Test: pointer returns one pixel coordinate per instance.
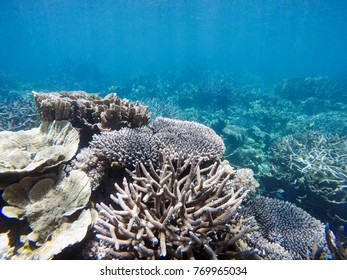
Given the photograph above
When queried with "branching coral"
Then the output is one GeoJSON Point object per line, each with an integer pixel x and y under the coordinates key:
{"type": "Point", "coordinates": [17, 113]}
{"type": "Point", "coordinates": [130, 146]}
{"type": "Point", "coordinates": [286, 231]}
{"type": "Point", "coordinates": [182, 211]}
{"type": "Point", "coordinates": [317, 163]}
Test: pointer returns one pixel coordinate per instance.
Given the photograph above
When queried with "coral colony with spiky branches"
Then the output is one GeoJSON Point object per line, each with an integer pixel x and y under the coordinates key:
{"type": "Point", "coordinates": [121, 185]}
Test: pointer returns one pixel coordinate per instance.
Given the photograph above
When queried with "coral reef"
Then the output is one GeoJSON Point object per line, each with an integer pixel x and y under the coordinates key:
{"type": "Point", "coordinates": [285, 231]}
{"type": "Point", "coordinates": [315, 162]}
{"type": "Point", "coordinates": [300, 88]}
{"type": "Point", "coordinates": [98, 176]}
{"type": "Point", "coordinates": [145, 144]}
{"type": "Point", "coordinates": [47, 202]}
{"type": "Point", "coordinates": [337, 243]}
{"type": "Point", "coordinates": [18, 112]}
{"type": "Point", "coordinates": [6, 252]}
{"type": "Point", "coordinates": [187, 138]}
{"type": "Point", "coordinates": [85, 110]}
{"type": "Point", "coordinates": [127, 146]}
{"type": "Point", "coordinates": [37, 149]}
{"type": "Point", "coordinates": [184, 210]}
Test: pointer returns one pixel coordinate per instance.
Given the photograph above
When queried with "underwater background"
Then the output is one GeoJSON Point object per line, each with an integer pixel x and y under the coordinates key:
{"type": "Point", "coordinates": [269, 77]}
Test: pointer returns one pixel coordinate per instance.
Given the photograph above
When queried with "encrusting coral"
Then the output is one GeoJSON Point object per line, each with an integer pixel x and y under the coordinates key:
{"type": "Point", "coordinates": [285, 231]}
{"type": "Point", "coordinates": [37, 149]}
{"type": "Point", "coordinates": [47, 202]}
{"type": "Point", "coordinates": [182, 211]}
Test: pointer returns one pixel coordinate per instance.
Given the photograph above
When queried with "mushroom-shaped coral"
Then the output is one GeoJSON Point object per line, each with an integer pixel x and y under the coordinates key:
{"type": "Point", "coordinates": [48, 202]}
{"type": "Point", "coordinates": [285, 231]}
{"type": "Point", "coordinates": [37, 149]}
{"type": "Point", "coordinates": [182, 211]}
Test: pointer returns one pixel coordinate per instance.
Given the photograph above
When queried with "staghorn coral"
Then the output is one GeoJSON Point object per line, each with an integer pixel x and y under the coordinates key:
{"type": "Point", "coordinates": [184, 210]}
{"type": "Point", "coordinates": [89, 110]}
{"type": "Point", "coordinates": [47, 202]}
{"type": "Point", "coordinates": [285, 231]}
{"type": "Point", "coordinates": [37, 149]}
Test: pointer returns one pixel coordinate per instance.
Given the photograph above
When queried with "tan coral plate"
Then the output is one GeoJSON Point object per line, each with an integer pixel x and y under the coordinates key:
{"type": "Point", "coordinates": [38, 148]}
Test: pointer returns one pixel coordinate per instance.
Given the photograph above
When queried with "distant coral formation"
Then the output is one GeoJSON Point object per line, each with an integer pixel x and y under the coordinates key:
{"type": "Point", "coordinates": [18, 112]}
{"type": "Point", "coordinates": [316, 162]}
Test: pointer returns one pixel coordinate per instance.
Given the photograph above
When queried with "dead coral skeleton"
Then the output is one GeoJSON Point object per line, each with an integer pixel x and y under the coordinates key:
{"type": "Point", "coordinates": [180, 211]}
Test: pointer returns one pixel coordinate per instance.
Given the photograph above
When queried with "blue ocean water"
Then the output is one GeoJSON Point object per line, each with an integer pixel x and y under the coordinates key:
{"type": "Point", "coordinates": [269, 77]}
{"type": "Point", "coordinates": [102, 42]}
